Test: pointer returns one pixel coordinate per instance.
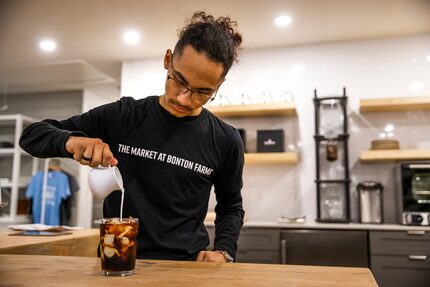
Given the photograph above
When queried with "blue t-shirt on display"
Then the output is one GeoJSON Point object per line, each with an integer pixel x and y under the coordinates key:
{"type": "Point", "coordinates": [57, 189]}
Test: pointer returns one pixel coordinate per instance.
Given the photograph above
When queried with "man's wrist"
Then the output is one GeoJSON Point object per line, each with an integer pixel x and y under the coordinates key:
{"type": "Point", "coordinates": [228, 258]}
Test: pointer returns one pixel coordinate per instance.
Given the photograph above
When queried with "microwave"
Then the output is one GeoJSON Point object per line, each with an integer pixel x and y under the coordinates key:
{"type": "Point", "coordinates": [415, 193]}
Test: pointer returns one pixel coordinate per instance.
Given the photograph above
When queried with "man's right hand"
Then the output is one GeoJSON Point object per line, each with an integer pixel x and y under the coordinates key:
{"type": "Point", "coordinates": [90, 151]}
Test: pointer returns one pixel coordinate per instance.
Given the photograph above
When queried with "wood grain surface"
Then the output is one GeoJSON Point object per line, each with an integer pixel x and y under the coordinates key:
{"type": "Point", "coordinates": [79, 243]}
{"type": "Point", "coordinates": [393, 155]}
{"type": "Point", "coordinates": [395, 104]}
{"type": "Point", "coordinates": [38, 270]}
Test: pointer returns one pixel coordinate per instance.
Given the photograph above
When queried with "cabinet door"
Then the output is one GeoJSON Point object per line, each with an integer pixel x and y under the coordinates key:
{"type": "Point", "coordinates": [400, 258]}
{"type": "Point", "coordinates": [401, 270]}
{"type": "Point", "coordinates": [255, 245]}
{"type": "Point", "coordinates": [326, 247]}
{"type": "Point", "coordinates": [259, 245]}
{"type": "Point", "coordinates": [412, 242]}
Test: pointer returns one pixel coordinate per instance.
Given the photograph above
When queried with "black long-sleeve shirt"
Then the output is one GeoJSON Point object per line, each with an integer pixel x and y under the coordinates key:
{"type": "Point", "coordinates": [168, 165]}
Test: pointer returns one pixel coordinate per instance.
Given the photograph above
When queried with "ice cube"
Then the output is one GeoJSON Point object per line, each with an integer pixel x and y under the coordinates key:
{"type": "Point", "coordinates": [114, 221]}
{"type": "Point", "coordinates": [109, 239]}
{"type": "Point", "coordinates": [110, 252]}
{"type": "Point", "coordinates": [125, 241]}
{"type": "Point", "coordinates": [127, 229]}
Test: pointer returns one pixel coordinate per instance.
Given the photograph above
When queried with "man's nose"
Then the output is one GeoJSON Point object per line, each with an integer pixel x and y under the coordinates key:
{"type": "Point", "coordinates": [185, 98]}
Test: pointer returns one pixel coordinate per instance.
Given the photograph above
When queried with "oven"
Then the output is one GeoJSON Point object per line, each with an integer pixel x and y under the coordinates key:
{"type": "Point", "coordinates": [415, 193]}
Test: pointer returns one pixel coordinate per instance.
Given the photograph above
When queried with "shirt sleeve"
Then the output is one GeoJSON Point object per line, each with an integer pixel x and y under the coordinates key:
{"type": "Point", "coordinates": [228, 187]}
{"type": "Point", "coordinates": [48, 137]}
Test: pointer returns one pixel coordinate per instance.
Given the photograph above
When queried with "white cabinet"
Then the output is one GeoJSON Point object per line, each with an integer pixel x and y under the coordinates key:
{"type": "Point", "coordinates": [16, 169]}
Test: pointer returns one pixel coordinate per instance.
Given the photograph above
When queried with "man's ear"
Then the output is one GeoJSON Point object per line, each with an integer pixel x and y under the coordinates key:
{"type": "Point", "coordinates": [168, 58]}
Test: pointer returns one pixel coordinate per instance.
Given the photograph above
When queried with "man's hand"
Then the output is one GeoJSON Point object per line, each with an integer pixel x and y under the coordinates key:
{"type": "Point", "coordinates": [90, 151]}
{"type": "Point", "coordinates": [211, 256]}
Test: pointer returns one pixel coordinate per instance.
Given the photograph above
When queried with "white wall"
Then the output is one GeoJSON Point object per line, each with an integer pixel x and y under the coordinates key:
{"type": "Point", "coordinates": [390, 67]}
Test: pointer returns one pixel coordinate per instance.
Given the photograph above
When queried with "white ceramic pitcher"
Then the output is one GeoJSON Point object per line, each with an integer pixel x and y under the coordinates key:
{"type": "Point", "coordinates": [104, 180]}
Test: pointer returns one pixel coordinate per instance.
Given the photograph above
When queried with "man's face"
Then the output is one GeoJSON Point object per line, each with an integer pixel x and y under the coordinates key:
{"type": "Point", "coordinates": [192, 80]}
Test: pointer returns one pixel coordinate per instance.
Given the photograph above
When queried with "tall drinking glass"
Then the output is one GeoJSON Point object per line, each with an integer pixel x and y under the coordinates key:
{"type": "Point", "coordinates": [118, 245]}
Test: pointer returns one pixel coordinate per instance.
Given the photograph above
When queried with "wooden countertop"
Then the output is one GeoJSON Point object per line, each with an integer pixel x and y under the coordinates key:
{"type": "Point", "coordinates": [79, 243]}
{"type": "Point", "coordinates": [37, 270]}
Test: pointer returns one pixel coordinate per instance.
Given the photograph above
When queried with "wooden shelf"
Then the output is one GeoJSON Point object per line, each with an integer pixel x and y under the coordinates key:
{"type": "Point", "coordinates": [394, 155]}
{"type": "Point", "coordinates": [271, 158]}
{"type": "Point", "coordinates": [255, 110]}
{"type": "Point", "coordinates": [394, 104]}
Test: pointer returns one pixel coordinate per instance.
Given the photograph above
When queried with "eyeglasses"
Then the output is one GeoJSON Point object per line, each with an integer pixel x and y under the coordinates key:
{"type": "Point", "coordinates": [201, 97]}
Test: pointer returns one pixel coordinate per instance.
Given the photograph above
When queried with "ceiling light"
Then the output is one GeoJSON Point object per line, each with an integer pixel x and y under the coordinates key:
{"type": "Point", "coordinates": [48, 45]}
{"type": "Point", "coordinates": [428, 58]}
{"type": "Point", "coordinates": [131, 37]}
{"type": "Point", "coordinates": [283, 20]}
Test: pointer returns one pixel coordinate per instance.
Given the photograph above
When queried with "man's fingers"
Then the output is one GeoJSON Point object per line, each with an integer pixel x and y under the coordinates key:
{"type": "Point", "coordinates": [108, 158]}
{"type": "Point", "coordinates": [97, 156]}
{"type": "Point", "coordinates": [77, 150]}
{"type": "Point", "coordinates": [201, 255]}
{"type": "Point", "coordinates": [90, 151]}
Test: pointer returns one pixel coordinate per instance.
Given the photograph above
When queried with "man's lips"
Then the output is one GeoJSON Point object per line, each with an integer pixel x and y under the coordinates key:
{"type": "Point", "coordinates": [179, 108]}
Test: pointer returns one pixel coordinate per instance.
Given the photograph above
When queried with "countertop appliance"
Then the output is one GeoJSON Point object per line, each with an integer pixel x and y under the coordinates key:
{"type": "Point", "coordinates": [415, 193]}
{"type": "Point", "coordinates": [370, 201]}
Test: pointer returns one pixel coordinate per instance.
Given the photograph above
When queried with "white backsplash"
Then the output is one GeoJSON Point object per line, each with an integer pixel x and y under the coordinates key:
{"type": "Point", "coordinates": [378, 68]}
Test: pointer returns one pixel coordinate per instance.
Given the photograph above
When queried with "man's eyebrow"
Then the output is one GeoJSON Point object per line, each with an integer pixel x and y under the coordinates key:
{"type": "Point", "coordinates": [179, 75]}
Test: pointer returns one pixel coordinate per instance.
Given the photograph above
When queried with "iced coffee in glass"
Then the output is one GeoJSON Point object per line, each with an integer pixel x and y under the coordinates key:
{"type": "Point", "coordinates": [118, 245]}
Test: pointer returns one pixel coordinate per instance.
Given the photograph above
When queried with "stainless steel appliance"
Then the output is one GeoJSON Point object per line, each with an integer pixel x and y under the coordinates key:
{"type": "Point", "coordinates": [415, 193]}
{"type": "Point", "coordinates": [370, 202]}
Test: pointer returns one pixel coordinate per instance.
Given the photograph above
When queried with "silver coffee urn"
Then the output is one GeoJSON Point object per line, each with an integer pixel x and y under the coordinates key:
{"type": "Point", "coordinates": [370, 202]}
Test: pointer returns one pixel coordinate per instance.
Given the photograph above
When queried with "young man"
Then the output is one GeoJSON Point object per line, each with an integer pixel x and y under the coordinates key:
{"type": "Point", "coordinates": [169, 149]}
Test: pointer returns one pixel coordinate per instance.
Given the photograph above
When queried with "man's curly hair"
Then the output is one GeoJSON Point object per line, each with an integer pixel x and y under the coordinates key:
{"type": "Point", "coordinates": [216, 38]}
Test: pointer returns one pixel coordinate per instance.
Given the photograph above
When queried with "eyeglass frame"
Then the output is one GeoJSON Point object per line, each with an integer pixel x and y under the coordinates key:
{"type": "Point", "coordinates": [179, 83]}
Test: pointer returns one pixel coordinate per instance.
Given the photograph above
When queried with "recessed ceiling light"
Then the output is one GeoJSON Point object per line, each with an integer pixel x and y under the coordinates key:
{"type": "Point", "coordinates": [131, 37]}
{"type": "Point", "coordinates": [283, 20]}
{"type": "Point", "coordinates": [48, 45]}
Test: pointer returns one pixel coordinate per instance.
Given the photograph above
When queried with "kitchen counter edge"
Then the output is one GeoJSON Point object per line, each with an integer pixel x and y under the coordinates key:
{"type": "Point", "coordinates": [317, 225]}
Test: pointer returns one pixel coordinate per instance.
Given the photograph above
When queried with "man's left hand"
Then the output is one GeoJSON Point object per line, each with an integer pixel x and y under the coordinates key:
{"type": "Point", "coordinates": [210, 256]}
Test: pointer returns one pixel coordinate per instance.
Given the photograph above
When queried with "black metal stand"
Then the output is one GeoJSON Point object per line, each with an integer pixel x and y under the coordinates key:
{"type": "Point", "coordinates": [341, 183]}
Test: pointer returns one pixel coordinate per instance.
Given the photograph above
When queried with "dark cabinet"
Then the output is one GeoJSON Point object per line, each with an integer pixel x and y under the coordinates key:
{"type": "Point", "coordinates": [325, 247]}
{"type": "Point", "coordinates": [400, 258]}
{"type": "Point", "coordinates": [259, 245]}
{"type": "Point", "coordinates": [255, 245]}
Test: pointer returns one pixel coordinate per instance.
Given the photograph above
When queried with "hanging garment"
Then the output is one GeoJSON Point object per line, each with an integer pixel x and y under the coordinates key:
{"type": "Point", "coordinates": [66, 204]}
{"type": "Point", "coordinates": [57, 189]}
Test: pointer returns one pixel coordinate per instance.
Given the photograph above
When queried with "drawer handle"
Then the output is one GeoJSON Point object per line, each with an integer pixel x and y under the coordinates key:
{"type": "Point", "coordinates": [417, 257]}
{"type": "Point", "coordinates": [283, 251]}
{"type": "Point", "coordinates": [416, 232]}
